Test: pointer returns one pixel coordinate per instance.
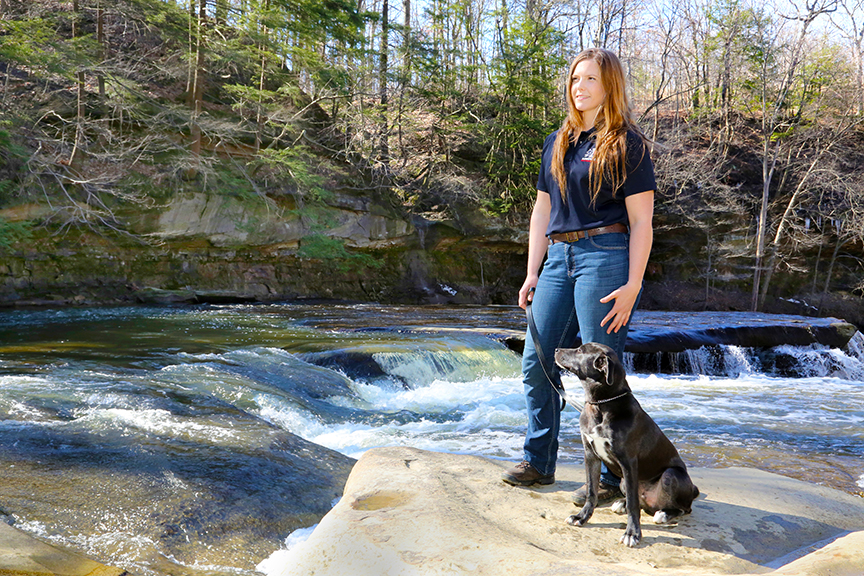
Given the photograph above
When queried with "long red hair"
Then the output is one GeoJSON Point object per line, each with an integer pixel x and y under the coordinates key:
{"type": "Point", "coordinates": [613, 121]}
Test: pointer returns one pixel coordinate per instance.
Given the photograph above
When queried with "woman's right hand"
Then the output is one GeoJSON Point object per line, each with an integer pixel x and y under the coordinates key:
{"type": "Point", "coordinates": [537, 245]}
{"type": "Point", "coordinates": [526, 293]}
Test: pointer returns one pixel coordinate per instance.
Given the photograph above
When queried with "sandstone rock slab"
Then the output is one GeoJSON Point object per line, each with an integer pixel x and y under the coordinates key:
{"type": "Point", "coordinates": [412, 512]}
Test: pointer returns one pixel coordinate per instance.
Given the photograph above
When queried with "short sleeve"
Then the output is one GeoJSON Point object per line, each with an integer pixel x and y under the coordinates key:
{"type": "Point", "coordinates": [546, 163]}
{"type": "Point", "coordinates": [640, 168]}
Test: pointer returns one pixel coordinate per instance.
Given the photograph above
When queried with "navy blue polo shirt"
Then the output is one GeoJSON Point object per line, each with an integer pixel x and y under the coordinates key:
{"type": "Point", "coordinates": [577, 213]}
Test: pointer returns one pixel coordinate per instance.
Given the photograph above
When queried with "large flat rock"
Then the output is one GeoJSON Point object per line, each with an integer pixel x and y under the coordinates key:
{"type": "Point", "coordinates": [660, 331]}
{"type": "Point", "coordinates": [411, 512]}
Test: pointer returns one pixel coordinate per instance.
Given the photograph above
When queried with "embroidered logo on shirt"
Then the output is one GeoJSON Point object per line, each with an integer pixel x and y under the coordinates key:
{"type": "Point", "coordinates": [589, 154]}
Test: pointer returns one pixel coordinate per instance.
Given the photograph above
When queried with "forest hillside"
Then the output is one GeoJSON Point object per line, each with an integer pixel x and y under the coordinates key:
{"type": "Point", "coordinates": [259, 149]}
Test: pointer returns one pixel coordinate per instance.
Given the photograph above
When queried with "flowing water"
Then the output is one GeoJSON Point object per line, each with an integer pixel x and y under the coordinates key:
{"type": "Point", "coordinates": [165, 439]}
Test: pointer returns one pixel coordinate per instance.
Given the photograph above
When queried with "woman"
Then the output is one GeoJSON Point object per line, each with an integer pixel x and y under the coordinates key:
{"type": "Point", "coordinates": [596, 181]}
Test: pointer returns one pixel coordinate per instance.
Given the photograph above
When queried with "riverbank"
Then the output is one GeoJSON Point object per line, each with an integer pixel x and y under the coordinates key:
{"type": "Point", "coordinates": [209, 248]}
{"type": "Point", "coordinates": [408, 511]}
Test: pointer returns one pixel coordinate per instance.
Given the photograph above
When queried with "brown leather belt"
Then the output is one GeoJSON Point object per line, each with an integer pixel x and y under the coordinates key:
{"type": "Point", "coordinates": [579, 234]}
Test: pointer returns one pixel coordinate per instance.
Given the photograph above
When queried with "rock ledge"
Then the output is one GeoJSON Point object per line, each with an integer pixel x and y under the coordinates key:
{"type": "Point", "coordinates": [411, 512]}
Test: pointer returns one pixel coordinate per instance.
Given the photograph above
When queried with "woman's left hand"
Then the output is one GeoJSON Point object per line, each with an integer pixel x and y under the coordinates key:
{"type": "Point", "coordinates": [640, 211]}
{"type": "Point", "coordinates": [619, 315]}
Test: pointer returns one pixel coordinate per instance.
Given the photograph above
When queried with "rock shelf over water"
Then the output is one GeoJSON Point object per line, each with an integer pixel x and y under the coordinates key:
{"type": "Point", "coordinates": [653, 331]}
{"type": "Point", "coordinates": [411, 512]}
{"type": "Point", "coordinates": [678, 331]}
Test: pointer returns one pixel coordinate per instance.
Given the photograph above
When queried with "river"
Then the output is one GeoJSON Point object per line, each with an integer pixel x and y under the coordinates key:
{"type": "Point", "coordinates": [164, 439]}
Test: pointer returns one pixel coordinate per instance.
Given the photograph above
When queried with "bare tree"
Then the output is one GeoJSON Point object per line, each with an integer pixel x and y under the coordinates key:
{"type": "Point", "coordinates": [850, 24]}
{"type": "Point", "coordinates": [843, 217]}
{"type": "Point", "coordinates": [773, 103]}
{"type": "Point", "coordinates": [696, 196]}
{"type": "Point", "coordinates": [667, 35]}
{"type": "Point", "coordinates": [817, 172]}
{"type": "Point", "coordinates": [383, 71]}
{"type": "Point", "coordinates": [75, 157]}
{"type": "Point", "coordinates": [100, 42]}
{"type": "Point", "coordinates": [694, 57]}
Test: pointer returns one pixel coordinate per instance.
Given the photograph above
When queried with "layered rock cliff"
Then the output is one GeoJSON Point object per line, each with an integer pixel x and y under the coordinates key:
{"type": "Point", "coordinates": [217, 247]}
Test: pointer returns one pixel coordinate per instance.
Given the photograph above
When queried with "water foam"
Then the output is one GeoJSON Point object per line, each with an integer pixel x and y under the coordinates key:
{"type": "Point", "coordinates": [159, 423]}
{"type": "Point", "coordinates": [274, 565]}
{"type": "Point", "coordinates": [818, 361]}
{"type": "Point", "coordinates": [484, 416]}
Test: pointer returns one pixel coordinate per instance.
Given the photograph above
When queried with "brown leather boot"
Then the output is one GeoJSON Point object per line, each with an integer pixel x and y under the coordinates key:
{"type": "Point", "coordinates": [604, 494]}
{"type": "Point", "coordinates": [524, 474]}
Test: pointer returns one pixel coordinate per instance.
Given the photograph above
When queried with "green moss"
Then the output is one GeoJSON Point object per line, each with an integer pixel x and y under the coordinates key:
{"type": "Point", "coordinates": [13, 232]}
{"type": "Point", "coordinates": [321, 247]}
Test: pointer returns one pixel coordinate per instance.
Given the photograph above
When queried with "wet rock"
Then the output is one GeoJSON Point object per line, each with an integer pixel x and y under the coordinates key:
{"type": "Point", "coordinates": [229, 496]}
{"type": "Point", "coordinates": [162, 296]}
{"type": "Point", "coordinates": [23, 555]}
{"type": "Point", "coordinates": [356, 364]}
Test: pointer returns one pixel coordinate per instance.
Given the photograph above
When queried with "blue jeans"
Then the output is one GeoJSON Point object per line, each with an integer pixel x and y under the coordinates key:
{"type": "Point", "coordinates": [575, 276]}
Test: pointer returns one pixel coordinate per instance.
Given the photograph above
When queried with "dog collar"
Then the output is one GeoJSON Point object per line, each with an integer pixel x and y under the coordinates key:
{"type": "Point", "coordinates": [607, 399]}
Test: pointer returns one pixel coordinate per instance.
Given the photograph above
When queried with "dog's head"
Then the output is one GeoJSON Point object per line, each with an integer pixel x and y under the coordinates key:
{"type": "Point", "coordinates": [596, 365]}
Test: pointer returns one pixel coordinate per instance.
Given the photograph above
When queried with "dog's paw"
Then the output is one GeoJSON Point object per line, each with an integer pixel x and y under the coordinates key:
{"type": "Point", "coordinates": [661, 517]}
{"type": "Point", "coordinates": [619, 506]}
{"type": "Point", "coordinates": [630, 539]}
{"type": "Point", "coordinates": [576, 520]}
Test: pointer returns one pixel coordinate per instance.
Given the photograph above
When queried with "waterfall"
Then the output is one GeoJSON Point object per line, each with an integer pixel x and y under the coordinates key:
{"type": "Point", "coordinates": [814, 360]}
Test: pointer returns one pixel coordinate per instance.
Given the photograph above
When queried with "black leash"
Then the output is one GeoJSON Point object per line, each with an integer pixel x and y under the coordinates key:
{"type": "Point", "coordinates": [556, 384]}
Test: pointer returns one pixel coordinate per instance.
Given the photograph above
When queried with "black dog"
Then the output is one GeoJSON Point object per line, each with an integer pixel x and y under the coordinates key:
{"type": "Point", "coordinates": [617, 431]}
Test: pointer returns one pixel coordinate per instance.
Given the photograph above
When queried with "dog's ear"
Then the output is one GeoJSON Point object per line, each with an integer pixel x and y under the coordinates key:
{"type": "Point", "coordinates": [601, 363]}
{"type": "Point", "coordinates": [613, 371]}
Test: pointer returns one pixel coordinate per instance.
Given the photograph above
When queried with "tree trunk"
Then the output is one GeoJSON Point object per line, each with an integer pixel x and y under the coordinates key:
{"type": "Point", "coordinates": [840, 243]}
{"type": "Point", "coordinates": [784, 220]}
{"type": "Point", "coordinates": [709, 253]}
{"type": "Point", "coordinates": [818, 259]}
{"type": "Point", "coordinates": [859, 71]}
{"type": "Point", "coordinates": [620, 48]}
{"type": "Point", "coordinates": [100, 41]}
{"type": "Point", "coordinates": [259, 112]}
{"type": "Point", "coordinates": [405, 79]}
{"type": "Point", "coordinates": [75, 157]}
{"type": "Point", "coordinates": [190, 70]}
{"type": "Point", "coordinates": [197, 92]}
{"type": "Point", "coordinates": [768, 163]}
{"type": "Point", "coordinates": [726, 94]}
{"type": "Point", "coordinates": [383, 147]}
